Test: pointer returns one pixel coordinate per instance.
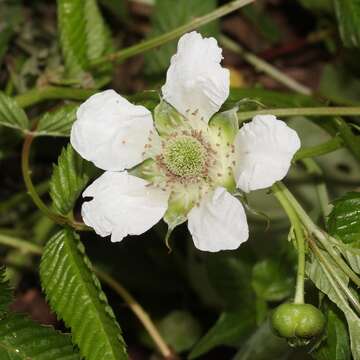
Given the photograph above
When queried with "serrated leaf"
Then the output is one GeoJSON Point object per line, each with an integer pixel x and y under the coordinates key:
{"type": "Point", "coordinates": [169, 14]}
{"type": "Point", "coordinates": [5, 292]}
{"type": "Point", "coordinates": [22, 339]}
{"type": "Point", "coordinates": [68, 180]}
{"type": "Point", "coordinates": [11, 114]}
{"type": "Point", "coordinates": [344, 219]}
{"type": "Point", "coordinates": [75, 294]}
{"type": "Point", "coordinates": [57, 123]}
{"type": "Point", "coordinates": [348, 16]}
{"type": "Point", "coordinates": [229, 329]}
{"type": "Point", "coordinates": [83, 34]}
{"type": "Point", "coordinates": [316, 273]}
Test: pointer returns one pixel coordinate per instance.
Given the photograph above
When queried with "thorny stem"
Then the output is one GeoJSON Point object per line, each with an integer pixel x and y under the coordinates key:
{"type": "Point", "coordinates": [136, 308]}
{"type": "Point", "coordinates": [26, 172]}
{"type": "Point", "coordinates": [300, 241]}
{"type": "Point", "coordinates": [302, 111]}
{"type": "Point", "coordinates": [171, 35]}
{"type": "Point", "coordinates": [263, 66]}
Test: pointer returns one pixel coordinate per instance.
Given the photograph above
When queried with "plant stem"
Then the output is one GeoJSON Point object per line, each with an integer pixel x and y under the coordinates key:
{"type": "Point", "coordinates": [21, 197]}
{"type": "Point", "coordinates": [38, 95]}
{"type": "Point", "coordinates": [26, 172]}
{"type": "Point", "coordinates": [173, 34]}
{"type": "Point", "coordinates": [24, 246]}
{"type": "Point", "coordinates": [300, 241]}
{"type": "Point", "coordinates": [319, 234]}
{"type": "Point", "coordinates": [140, 313]}
{"type": "Point", "coordinates": [305, 111]}
{"type": "Point", "coordinates": [321, 190]}
{"type": "Point", "coordinates": [325, 264]}
{"type": "Point", "coordinates": [263, 66]}
{"type": "Point", "coordinates": [331, 145]}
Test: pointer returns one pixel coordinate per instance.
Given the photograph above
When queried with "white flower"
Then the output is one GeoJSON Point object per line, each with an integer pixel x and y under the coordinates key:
{"type": "Point", "coordinates": [187, 162]}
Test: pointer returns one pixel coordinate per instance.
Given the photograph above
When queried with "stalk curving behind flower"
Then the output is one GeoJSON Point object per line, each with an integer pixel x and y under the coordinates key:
{"type": "Point", "coordinates": [184, 164]}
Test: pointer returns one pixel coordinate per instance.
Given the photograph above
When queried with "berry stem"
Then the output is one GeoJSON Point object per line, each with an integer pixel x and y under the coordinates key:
{"type": "Point", "coordinates": [300, 241]}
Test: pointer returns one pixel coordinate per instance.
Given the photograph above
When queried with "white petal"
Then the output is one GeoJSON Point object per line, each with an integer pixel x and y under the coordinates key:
{"type": "Point", "coordinates": [122, 205]}
{"type": "Point", "coordinates": [196, 84]}
{"type": "Point", "coordinates": [264, 150]}
{"type": "Point", "coordinates": [111, 132]}
{"type": "Point", "coordinates": [219, 223]}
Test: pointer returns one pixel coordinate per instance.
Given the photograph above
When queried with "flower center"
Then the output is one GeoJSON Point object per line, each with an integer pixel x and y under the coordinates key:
{"type": "Point", "coordinates": [185, 156]}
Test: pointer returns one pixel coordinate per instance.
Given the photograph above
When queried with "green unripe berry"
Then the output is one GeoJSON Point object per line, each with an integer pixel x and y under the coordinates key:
{"type": "Point", "coordinates": [298, 322]}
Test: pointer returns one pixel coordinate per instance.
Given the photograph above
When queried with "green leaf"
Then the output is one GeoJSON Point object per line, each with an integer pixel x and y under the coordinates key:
{"type": "Point", "coordinates": [340, 85]}
{"type": "Point", "coordinates": [336, 345]}
{"type": "Point", "coordinates": [11, 114]}
{"type": "Point", "coordinates": [57, 123]}
{"type": "Point", "coordinates": [229, 329]}
{"type": "Point", "coordinates": [83, 34]}
{"type": "Point", "coordinates": [69, 178]}
{"type": "Point", "coordinates": [271, 280]}
{"type": "Point", "coordinates": [230, 276]}
{"type": "Point", "coordinates": [348, 16]}
{"type": "Point", "coordinates": [316, 273]}
{"type": "Point", "coordinates": [5, 292]}
{"type": "Point", "coordinates": [11, 17]}
{"type": "Point", "coordinates": [74, 292]}
{"type": "Point", "coordinates": [318, 5]}
{"type": "Point", "coordinates": [344, 219]}
{"type": "Point", "coordinates": [351, 140]}
{"type": "Point", "coordinates": [179, 329]}
{"type": "Point", "coordinates": [22, 339]}
{"type": "Point", "coordinates": [263, 345]}
{"type": "Point", "coordinates": [263, 22]}
{"type": "Point", "coordinates": [169, 14]}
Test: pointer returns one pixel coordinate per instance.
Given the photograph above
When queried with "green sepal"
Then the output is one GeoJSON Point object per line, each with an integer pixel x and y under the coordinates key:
{"type": "Point", "coordinates": [225, 123]}
{"type": "Point", "coordinates": [179, 205]}
{"type": "Point", "coordinates": [223, 128]}
{"type": "Point", "coordinates": [168, 119]}
{"type": "Point", "coordinates": [148, 170]}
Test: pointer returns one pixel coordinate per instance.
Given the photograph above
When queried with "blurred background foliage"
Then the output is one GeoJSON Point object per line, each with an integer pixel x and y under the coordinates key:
{"type": "Point", "coordinates": [207, 306]}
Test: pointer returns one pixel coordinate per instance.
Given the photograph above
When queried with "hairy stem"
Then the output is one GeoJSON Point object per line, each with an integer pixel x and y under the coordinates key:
{"type": "Point", "coordinates": [141, 314]}
{"type": "Point", "coordinates": [173, 34]}
{"type": "Point", "coordinates": [300, 242]}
